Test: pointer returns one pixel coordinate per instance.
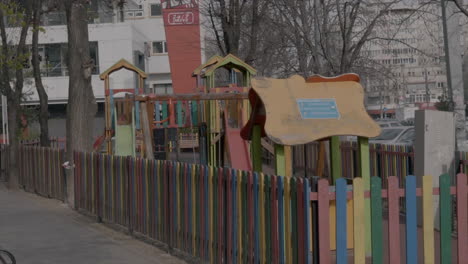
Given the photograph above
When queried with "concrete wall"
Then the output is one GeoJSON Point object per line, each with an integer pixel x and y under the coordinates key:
{"type": "Point", "coordinates": [434, 149]}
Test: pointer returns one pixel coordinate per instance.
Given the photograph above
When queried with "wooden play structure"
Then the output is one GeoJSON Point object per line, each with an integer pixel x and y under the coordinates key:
{"type": "Point", "coordinates": [316, 109]}
{"type": "Point", "coordinates": [225, 119]}
{"type": "Point", "coordinates": [120, 115]}
{"type": "Point", "coordinates": [146, 125]}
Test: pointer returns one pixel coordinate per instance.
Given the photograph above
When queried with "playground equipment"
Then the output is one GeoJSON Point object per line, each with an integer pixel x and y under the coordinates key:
{"type": "Point", "coordinates": [122, 117]}
{"type": "Point", "coordinates": [316, 109]}
{"type": "Point", "coordinates": [149, 124]}
{"type": "Point", "coordinates": [225, 119]}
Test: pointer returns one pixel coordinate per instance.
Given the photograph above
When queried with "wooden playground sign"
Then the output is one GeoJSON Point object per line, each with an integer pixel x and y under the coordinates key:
{"type": "Point", "coordinates": [299, 111]}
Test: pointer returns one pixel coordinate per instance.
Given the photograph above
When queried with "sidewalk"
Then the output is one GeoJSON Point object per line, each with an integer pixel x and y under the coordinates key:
{"type": "Point", "coordinates": [45, 231]}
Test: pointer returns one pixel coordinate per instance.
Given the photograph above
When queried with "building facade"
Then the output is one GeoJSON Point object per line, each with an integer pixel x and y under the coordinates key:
{"type": "Point", "coordinates": [412, 53]}
{"type": "Point", "coordinates": [136, 34]}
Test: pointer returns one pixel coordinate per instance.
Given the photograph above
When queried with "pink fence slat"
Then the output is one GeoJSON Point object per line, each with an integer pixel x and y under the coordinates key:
{"type": "Point", "coordinates": [462, 218]}
{"type": "Point", "coordinates": [324, 221]}
{"type": "Point", "coordinates": [300, 220]}
{"type": "Point", "coordinates": [393, 220]}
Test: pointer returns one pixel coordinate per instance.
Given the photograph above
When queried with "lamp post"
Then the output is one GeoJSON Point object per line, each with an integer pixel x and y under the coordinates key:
{"type": "Point", "coordinates": [453, 61]}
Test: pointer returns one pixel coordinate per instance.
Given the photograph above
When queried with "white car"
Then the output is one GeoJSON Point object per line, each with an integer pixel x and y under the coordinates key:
{"type": "Point", "coordinates": [387, 123]}
{"type": "Point", "coordinates": [395, 136]}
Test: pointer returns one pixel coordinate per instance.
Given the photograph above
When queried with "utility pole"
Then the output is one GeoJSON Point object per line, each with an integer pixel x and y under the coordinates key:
{"type": "Point", "coordinates": [453, 63]}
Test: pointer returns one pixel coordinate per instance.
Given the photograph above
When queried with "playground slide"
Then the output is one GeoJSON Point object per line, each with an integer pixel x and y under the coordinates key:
{"type": "Point", "coordinates": [124, 138]}
{"type": "Point", "coordinates": [98, 143]}
{"type": "Point", "coordinates": [237, 148]}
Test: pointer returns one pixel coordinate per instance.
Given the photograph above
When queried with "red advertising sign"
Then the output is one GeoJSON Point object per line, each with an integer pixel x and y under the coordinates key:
{"type": "Point", "coordinates": [182, 27]}
{"type": "Point", "coordinates": [181, 18]}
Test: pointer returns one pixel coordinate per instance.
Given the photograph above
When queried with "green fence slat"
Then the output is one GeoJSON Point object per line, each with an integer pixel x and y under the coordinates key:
{"type": "Point", "coordinates": [180, 114]}
{"type": "Point", "coordinates": [164, 112]}
{"type": "Point", "coordinates": [445, 220]}
{"type": "Point", "coordinates": [376, 220]}
{"type": "Point", "coordinates": [268, 217]}
{"type": "Point", "coordinates": [294, 219]}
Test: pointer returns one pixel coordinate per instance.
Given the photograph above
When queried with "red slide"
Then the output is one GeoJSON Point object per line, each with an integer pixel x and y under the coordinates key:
{"type": "Point", "coordinates": [237, 148]}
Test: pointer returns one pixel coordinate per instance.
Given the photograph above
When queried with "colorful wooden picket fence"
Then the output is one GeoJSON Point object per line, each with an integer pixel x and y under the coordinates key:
{"type": "Point", "coordinates": [40, 171]}
{"type": "Point", "coordinates": [55, 142]}
{"type": "Point", "coordinates": [385, 160]}
{"type": "Point", "coordinates": [224, 215]}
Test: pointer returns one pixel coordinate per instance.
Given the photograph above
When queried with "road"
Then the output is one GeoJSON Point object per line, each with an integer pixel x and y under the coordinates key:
{"type": "Point", "coordinates": [45, 231]}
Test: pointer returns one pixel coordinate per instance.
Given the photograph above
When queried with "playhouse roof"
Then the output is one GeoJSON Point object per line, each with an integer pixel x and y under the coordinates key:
{"type": "Point", "coordinates": [230, 61]}
{"type": "Point", "coordinates": [299, 111]}
{"type": "Point", "coordinates": [123, 64]}
{"type": "Point", "coordinates": [213, 60]}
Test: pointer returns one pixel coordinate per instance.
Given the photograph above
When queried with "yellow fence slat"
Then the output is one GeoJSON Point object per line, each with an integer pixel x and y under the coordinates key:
{"type": "Point", "coordinates": [359, 221]}
{"type": "Point", "coordinates": [428, 220]}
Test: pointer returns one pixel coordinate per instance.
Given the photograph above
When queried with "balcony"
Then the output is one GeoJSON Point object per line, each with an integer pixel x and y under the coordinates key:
{"type": "Point", "coordinates": [95, 17]}
{"type": "Point", "coordinates": [57, 70]}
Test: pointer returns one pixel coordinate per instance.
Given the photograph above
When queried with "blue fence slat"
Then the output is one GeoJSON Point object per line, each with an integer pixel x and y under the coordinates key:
{"type": "Point", "coordinates": [411, 221]}
{"type": "Point", "coordinates": [341, 222]}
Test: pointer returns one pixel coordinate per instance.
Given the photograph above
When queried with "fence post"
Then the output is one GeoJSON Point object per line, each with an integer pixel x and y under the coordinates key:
{"type": "Point", "coordinates": [364, 165]}
{"type": "Point", "coordinates": [129, 194]}
{"type": "Point", "coordinates": [315, 229]}
{"type": "Point", "coordinates": [98, 187]}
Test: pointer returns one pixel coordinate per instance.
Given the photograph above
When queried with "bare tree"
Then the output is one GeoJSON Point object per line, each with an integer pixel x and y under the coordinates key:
{"type": "Point", "coordinates": [236, 25]}
{"type": "Point", "coordinates": [82, 105]}
{"type": "Point", "coordinates": [13, 56]}
{"type": "Point", "coordinates": [43, 98]}
{"type": "Point", "coordinates": [283, 37]}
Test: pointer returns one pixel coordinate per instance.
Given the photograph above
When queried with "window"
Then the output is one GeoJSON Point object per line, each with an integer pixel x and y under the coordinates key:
{"type": "Point", "coordinates": [421, 98]}
{"type": "Point", "coordinates": [159, 47]}
{"type": "Point", "coordinates": [134, 12]}
{"type": "Point", "coordinates": [407, 137]}
{"type": "Point", "coordinates": [155, 10]}
{"type": "Point", "coordinates": [53, 59]}
{"type": "Point", "coordinates": [162, 88]}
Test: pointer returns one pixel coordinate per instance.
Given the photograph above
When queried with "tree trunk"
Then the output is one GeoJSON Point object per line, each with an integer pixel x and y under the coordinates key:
{"type": "Point", "coordinates": [13, 169]}
{"type": "Point", "coordinates": [82, 106]}
{"type": "Point", "coordinates": [43, 98]}
{"type": "Point", "coordinates": [14, 94]}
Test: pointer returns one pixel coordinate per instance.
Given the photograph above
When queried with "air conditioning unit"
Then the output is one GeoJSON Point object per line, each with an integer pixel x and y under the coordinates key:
{"type": "Point", "coordinates": [139, 13]}
{"type": "Point", "coordinates": [147, 50]}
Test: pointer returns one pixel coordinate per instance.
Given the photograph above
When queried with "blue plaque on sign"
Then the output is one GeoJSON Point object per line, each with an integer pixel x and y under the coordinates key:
{"type": "Point", "coordinates": [318, 108]}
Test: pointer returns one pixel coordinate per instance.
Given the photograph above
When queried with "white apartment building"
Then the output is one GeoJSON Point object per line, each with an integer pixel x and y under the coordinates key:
{"type": "Point", "coordinates": [138, 37]}
{"type": "Point", "coordinates": [414, 59]}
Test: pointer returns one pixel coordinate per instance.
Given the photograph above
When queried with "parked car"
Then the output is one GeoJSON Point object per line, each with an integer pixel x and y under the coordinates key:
{"type": "Point", "coordinates": [395, 136]}
{"type": "Point", "coordinates": [388, 123]}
